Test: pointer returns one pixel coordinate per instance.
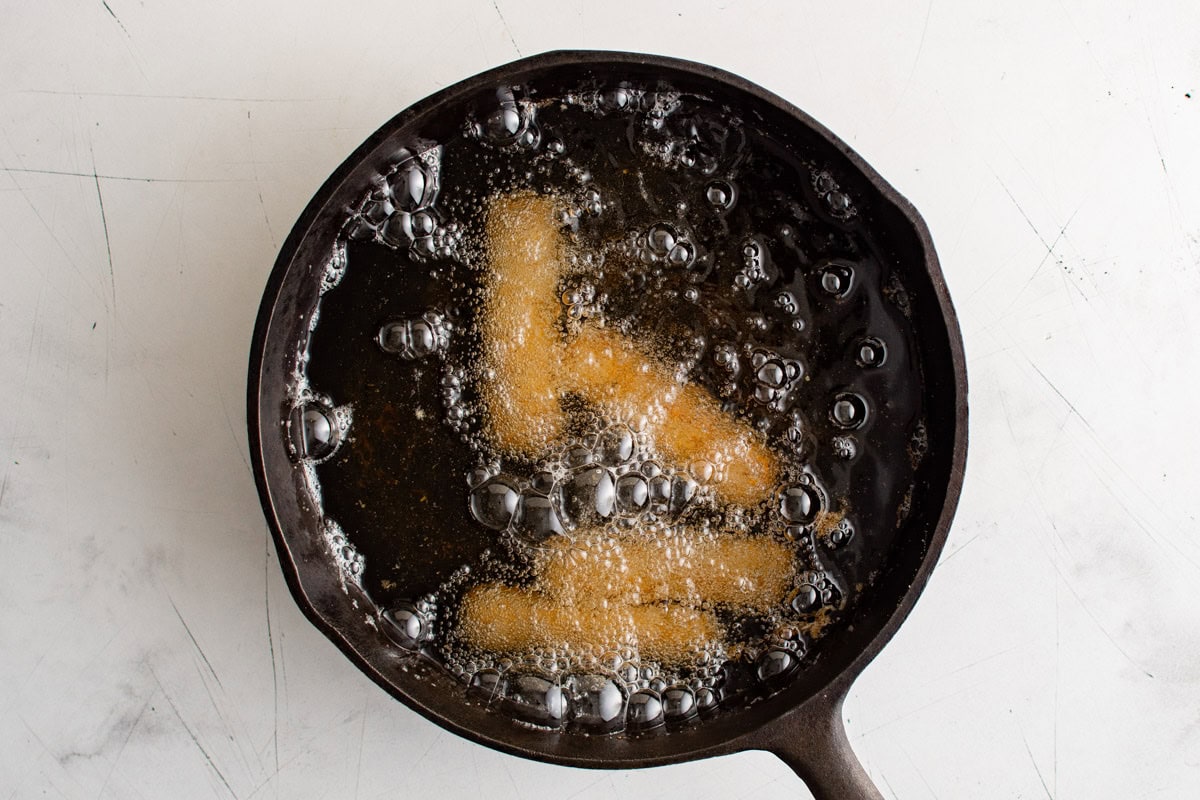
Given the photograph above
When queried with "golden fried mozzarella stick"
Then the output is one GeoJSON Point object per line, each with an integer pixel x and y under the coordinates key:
{"type": "Point", "coordinates": [683, 566]}
{"type": "Point", "coordinates": [504, 619]}
{"type": "Point", "coordinates": [686, 421]}
{"type": "Point", "coordinates": [522, 344]}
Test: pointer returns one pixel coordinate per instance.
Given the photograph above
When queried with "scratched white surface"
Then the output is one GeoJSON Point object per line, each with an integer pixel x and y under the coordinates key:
{"type": "Point", "coordinates": [154, 155]}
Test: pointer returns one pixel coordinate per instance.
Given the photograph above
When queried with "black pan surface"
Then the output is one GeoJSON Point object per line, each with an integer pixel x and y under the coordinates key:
{"type": "Point", "coordinates": [364, 525]}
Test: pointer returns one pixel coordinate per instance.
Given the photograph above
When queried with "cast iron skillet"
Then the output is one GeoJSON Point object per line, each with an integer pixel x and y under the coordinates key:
{"type": "Point", "coordinates": [802, 723]}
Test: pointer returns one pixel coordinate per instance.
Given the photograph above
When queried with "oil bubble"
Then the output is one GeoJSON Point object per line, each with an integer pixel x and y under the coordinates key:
{"type": "Point", "coordinates": [590, 495]}
{"type": "Point", "coordinates": [845, 447]}
{"type": "Point", "coordinates": [836, 279]}
{"type": "Point", "coordinates": [660, 494]}
{"type": "Point", "coordinates": [720, 195]}
{"type": "Point", "coordinates": [680, 255]}
{"type": "Point", "coordinates": [633, 492]}
{"type": "Point", "coordinates": [707, 699]}
{"type": "Point", "coordinates": [842, 534]}
{"type": "Point", "coordinates": [504, 123]}
{"type": "Point", "coordinates": [487, 684]}
{"type": "Point", "coordinates": [599, 703]}
{"type": "Point", "coordinates": [539, 519]}
{"type": "Point", "coordinates": [800, 504]}
{"type": "Point", "coordinates": [775, 664]}
{"type": "Point", "coordinates": [615, 99]}
{"type": "Point", "coordinates": [616, 444]}
{"type": "Point", "coordinates": [409, 188]}
{"type": "Point", "coordinates": [645, 710]}
{"type": "Point", "coordinates": [406, 626]}
{"type": "Point", "coordinates": [376, 212]}
{"type": "Point", "coordinates": [683, 489]}
{"type": "Point", "coordinates": [414, 338]}
{"type": "Point", "coordinates": [661, 238]}
{"type": "Point", "coordinates": [679, 703]}
{"type": "Point", "coordinates": [849, 411]}
{"type": "Point", "coordinates": [871, 352]}
{"type": "Point", "coordinates": [806, 599]}
{"type": "Point", "coordinates": [318, 437]}
{"type": "Point", "coordinates": [537, 699]}
{"type": "Point", "coordinates": [495, 503]}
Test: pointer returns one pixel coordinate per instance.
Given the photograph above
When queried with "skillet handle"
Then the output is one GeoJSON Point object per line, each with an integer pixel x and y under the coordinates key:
{"type": "Point", "coordinates": [816, 748]}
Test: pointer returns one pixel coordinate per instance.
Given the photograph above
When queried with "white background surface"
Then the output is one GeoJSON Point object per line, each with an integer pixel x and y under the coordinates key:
{"type": "Point", "coordinates": [153, 156]}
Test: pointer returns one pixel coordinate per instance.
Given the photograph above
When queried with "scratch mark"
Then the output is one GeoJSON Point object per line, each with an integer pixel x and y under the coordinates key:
{"type": "Point", "coordinates": [960, 548]}
{"type": "Point", "coordinates": [1111, 639]}
{"type": "Point", "coordinates": [917, 710]}
{"type": "Point", "coordinates": [1021, 210]}
{"type": "Point", "coordinates": [362, 739]}
{"type": "Point", "coordinates": [888, 784]}
{"type": "Point", "coordinates": [112, 278]}
{"type": "Point", "coordinates": [507, 30]}
{"type": "Point", "coordinates": [128, 735]}
{"type": "Point", "coordinates": [135, 178]}
{"type": "Point", "coordinates": [921, 43]}
{"type": "Point", "coordinates": [229, 423]}
{"type": "Point", "coordinates": [979, 661]}
{"type": "Point", "coordinates": [53, 235]}
{"type": "Point", "coordinates": [1007, 415]}
{"type": "Point", "coordinates": [1033, 761]}
{"type": "Point", "coordinates": [587, 787]}
{"type": "Point", "coordinates": [114, 16]}
{"type": "Point", "coordinates": [1129, 512]}
{"type": "Point", "coordinates": [1061, 396]}
{"type": "Point", "coordinates": [195, 644]}
{"type": "Point", "coordinates": [1058, 659]}
{"type": "Point", "coordinates": [200, 97]}
{"type": "Point", "coordinates": [3, 488]}
{"type": "Point", "coordinates": [508, 773]}
{"type": "Point", "coordinates": [920, 774]}
{"type": "Point", "coordinates": [191, 733]}
{"type": "Point", "coordinates": [1050, 251]}
{"type": "Point", "coordinates": [257, 183]}
{"type": "Point", "coordinates": [428, 749]}
{"type": "Point", "coordinates": [271, 642]}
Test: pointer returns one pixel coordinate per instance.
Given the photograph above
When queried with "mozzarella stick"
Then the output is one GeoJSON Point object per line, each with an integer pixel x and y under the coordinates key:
{"type": "Point", "coordinates": [522, 345]}
{"type": "Point", "coordinates": [683, 566]}
{"type": "Point", "coordinates": [504, 619]}
{"type": "Point", "coordinates": [686, 421]}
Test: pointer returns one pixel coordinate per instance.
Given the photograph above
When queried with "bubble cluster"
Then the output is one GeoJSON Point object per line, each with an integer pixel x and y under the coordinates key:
{"type": "Point", "coordinates": [399, 211]}
{"type": "Point", "coordinates": [664, 244]}
{"type": "Point", "coordinates": [350, 562]}
{"type": "Point", "coordinates": [416, 337]}
{"type": "Point", "coordinates": [511, 124]}
{"type": "Point", "coordinates": [335, 267]}
{"type": "Point", "coordinates": [754, 270]}
{"type": "Point", "coordinates": [835, 201]}
{"type": "Point", "coordinates": [774, 377]}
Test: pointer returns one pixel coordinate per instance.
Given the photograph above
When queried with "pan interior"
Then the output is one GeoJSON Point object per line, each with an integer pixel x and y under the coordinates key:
{"type": "Point", "coordinates": [762, 263]}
